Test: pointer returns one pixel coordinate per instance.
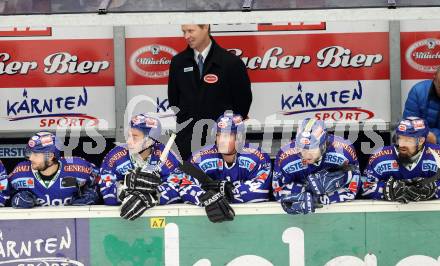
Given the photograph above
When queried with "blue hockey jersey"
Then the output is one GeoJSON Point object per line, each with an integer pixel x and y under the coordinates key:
{"type": "Point", "coordinates": [118, 162]}
{"type": "Point", "coordinates": [73, 174]}
{"type": "Point", "coordinates": [250, 174]}
{"type": "Point", "coordinates": [384, 164]}
{"type": "Point", "coordinates": [289, 174]}
{"type": "Point", "coordinates": [4, 197]}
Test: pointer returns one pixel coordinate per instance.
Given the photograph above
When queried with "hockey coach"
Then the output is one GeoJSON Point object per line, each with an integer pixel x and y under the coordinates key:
{"type": "Point", "coordinates": [204, 81]}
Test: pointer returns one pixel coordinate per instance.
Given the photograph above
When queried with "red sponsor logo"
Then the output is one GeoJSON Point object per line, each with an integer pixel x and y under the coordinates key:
{"type": "Point", "coordinates": [401, 128]}
{"type": "Point", "coordinates": [424, 55]}
{"type": "Point", "coordinates": [395, 165]}
{"type": "Point", "coordinates": [30, 181]}
{"type": "Point", "coordinates": [210, 78]}
{"type": "Point", "coordinates": [152, 61]}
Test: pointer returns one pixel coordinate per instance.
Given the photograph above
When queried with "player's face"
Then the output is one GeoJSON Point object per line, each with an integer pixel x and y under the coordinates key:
{"type": "Point", "coordinates": [407, 146]}
{"type": "Point", "coordinates": [197, 37]}
{"type": "Point", "coordinates": [37, 161]}
{"type": "Point", "coordinates": [226, 143]}
{"type": "Point", "coordinates": [310, 156]}
{"type": "Point", "coordinates": [135, 140]}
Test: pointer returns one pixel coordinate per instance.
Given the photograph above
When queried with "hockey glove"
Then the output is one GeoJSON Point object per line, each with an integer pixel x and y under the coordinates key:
{"type": "Point", "coordinates": [217, 207]}
{"type": "Point", "coordinates": [136, 203]}
{"type": "Point", "coordinates": [325, 181]}
{"type": "Point", "coordinates": [87, 197]}
{"type": "Point", "coordinates": [142, 181]}
{"type": "Point", "coordinates": [224, 187]}
{"type": "Point", "coordinates": [420, 191]}
{"type": "Point", "coordinates": [302, 205]}
{"type": "Point", "coordinates": [24, 200]}
{"type": "Point", "coordinates": [395, 191]}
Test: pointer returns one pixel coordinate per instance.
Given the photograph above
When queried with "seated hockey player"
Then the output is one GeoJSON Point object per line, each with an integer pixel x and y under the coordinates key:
{"type": "Point", "coordinates": [315, 169]}
{"type": "Point", "coordinates": [124, 168]}
{"type": "Point", "coordinates": [406, 171]}
{"type": "Point", "coordinates": [4, 197]}
{"type": "Point", "coordinates": [240, 172]}
{"type": "Point", "coordinates": [47, 179]}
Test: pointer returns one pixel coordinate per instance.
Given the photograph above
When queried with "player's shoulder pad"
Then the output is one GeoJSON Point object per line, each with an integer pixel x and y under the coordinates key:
{"type": "Point", "coordinates": [434, 147]}
{"type": "Point", "coordinates": [254, 153]}
{"type": "Point", "coordinates": [341, 145]}
{"type": "Point", "coordinates": [381, 154]}
{"type": "Point", "coordinates": [115, 155]}
{"type": "Point", "coordinates": [21, 167]}
{"type": "Point", "coordinates": [208, 151]}
{"type": "Point", "coordinates": [287, 153]}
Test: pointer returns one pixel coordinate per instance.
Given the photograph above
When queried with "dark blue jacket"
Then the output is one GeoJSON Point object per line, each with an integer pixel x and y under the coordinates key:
{"type": "Point", "coordinates": [423, 102]}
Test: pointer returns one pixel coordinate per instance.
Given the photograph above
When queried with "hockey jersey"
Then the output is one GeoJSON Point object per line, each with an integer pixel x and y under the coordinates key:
{"type": "Point", "coordinates": [118, 162]}
{"type": "Point", "coordinates": [73, 174]}
{"type": "Point", "coordinates": [250, 174]}
{"type": "Point", "coordinates": [290, 173]}
{"type": "Point", "coordinates": [384, 164]}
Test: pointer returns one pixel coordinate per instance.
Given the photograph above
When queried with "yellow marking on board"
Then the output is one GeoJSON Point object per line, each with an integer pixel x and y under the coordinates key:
{"type": "Point", "coordinates": [157, 222]}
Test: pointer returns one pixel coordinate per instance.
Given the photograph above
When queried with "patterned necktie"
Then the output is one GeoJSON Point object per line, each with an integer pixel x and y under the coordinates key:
{"type": "Point", "coordinates": [200, 64]}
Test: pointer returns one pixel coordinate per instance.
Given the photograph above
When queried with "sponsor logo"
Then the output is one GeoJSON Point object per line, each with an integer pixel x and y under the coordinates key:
{"type": "Point", "coordinates": [152, 61]}
{"type": "Point", "coordinates": [210, 164]}
{"type": "Point", "coordinates": [318, 103]}
{"type": "Point", "coordinates": [386, 166]}
{"type": "Point", "coordinates": [294, 166]}
{"type": "Point", "coordinates": [402, 128]}
{"type": "Point", "coordinates": [246, 163]}
{"type": "Point", "coordinates": [424, 55]}
{"type": "Point", "coordinates": [23, 182]}
{"type": "Point", "coordinates": [55, 111]}
{"type": "Point", "coordinates": [210, 78]}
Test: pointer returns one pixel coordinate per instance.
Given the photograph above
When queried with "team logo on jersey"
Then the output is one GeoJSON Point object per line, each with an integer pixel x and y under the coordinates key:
{"type": "Point", "coordinates": [423, 55]}
{"type": "Point", "coordinates": [23, 182]}
{"type": "Point", "coordinates": [210, 78]}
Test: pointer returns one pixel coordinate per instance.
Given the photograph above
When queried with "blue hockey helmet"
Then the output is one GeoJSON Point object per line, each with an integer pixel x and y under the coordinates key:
{"type": "Point", "coordinates": [148, 125]}
{"type": "Point", "coordinates": [44, 142]}
{"type": "Point", "coordinates": [229, 123]}
{"type": "Point", "coordinates": [311, 134]}
{"type": "Point", "coordinates": [415, 127]}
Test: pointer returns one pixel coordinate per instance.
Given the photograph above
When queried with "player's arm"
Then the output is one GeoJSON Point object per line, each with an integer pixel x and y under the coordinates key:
{"type": "Point", "coordinates": [5, 189]}
{"type": "Point", "coordinates": [256, 187]}
{"type": "Point", "coordinates": [283, 183]}
{"type": "Point", "coordinates": [107, 184]}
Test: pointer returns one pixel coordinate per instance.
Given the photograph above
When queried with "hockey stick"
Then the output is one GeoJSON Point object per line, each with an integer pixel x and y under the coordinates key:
{"type": "Point", "coordinates": [185, 166]}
